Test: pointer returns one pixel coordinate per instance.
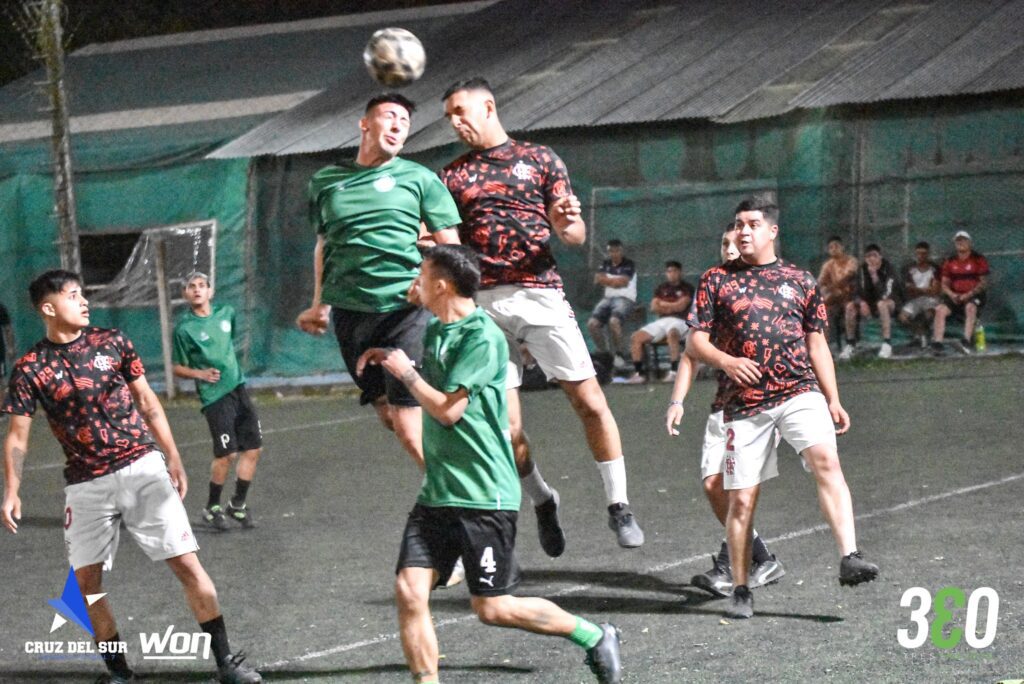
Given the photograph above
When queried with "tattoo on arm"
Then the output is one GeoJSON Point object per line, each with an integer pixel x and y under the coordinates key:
{"type": "Point", "coordinates": [409, 377]}
{"type": "Point", "coordinates": [18, 459]}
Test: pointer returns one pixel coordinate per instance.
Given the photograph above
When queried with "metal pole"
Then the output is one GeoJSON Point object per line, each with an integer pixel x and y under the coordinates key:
{"type": "Point", "coordinates": [165, 316]}
{"type": "Point", "coordinates": [51, 46]}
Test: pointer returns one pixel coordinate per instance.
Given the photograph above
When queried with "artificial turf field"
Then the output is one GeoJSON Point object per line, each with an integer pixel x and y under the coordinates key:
{"type": "Point", "coordinates": [933, 461]}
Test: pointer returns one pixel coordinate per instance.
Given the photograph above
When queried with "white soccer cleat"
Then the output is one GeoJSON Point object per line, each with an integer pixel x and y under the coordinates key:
{"type": "Point", "coordinates": [847, 353]}
{"type": "Point", "coordinates": [885, 352]}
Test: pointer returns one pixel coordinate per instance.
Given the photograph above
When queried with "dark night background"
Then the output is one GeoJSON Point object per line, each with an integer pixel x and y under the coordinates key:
{"type": "Point", "coordinates": [101, 21]}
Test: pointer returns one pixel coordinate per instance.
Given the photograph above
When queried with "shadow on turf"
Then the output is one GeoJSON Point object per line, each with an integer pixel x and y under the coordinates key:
{"type": "Point", "coordinates": [179, 676]}
{"type": "Point", "coordinates": [41, 522]}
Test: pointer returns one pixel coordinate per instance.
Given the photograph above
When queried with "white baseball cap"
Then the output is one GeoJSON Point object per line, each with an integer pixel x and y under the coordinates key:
{"type": "Point", "coordinates": [962, 234]}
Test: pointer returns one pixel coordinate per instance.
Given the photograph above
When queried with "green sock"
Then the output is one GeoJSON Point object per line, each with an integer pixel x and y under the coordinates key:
{"type": "Point", "coordinates": [586, 634]}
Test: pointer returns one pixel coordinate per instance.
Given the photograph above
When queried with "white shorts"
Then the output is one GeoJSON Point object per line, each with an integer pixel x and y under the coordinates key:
{"type": "Point", "coordinates": [141, 495]}
{"type": "Point", "coordinates": [542, 319]}
{"type": "Point", "coordinates": [803, 421]}
{"type": "Point", "coordinates": [659, 329]}
{"type": "Point", "coordinates": [712, 455]}
{"type": "Point", "coordinates": [919, 305]}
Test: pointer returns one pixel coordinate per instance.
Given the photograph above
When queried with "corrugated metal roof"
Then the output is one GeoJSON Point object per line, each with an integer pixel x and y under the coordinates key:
{"type": "Point", "coordinates": [563, 64]}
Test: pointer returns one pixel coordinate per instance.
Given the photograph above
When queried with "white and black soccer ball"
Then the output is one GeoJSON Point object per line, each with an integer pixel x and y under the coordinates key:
{"type": "Point", "coordinates": [394, 57]}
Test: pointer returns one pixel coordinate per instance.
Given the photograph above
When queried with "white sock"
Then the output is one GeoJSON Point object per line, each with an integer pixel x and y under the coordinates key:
{"type": "Point", "coordinates": [535, 486]}
{"type": "Point", "coordinates": [613, 473]}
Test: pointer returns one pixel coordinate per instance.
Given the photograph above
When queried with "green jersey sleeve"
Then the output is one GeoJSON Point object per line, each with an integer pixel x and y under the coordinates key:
{"type": "Point", "coordinates": [477, 367]}
{"type": "Point", "coordinates": [437, 208]}
{"type": "Point", "coordinates": [179, 347]}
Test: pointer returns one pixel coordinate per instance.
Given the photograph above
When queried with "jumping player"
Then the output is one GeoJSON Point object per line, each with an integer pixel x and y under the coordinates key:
{"type": "Point", "coordinates": [768, 321]}
{"type": "Point", "coordinates": [367, 215]}
{"type": "Point", "coordinates": [470, 498]}
{"type": "Point", "coordinates": [204, 351]}
{"type": "Point", "coordinates": [122, 463]}
{"type": "Point", "coordinates": [512, 196]}
{"type": "Point", "coordinates": [766, 567]}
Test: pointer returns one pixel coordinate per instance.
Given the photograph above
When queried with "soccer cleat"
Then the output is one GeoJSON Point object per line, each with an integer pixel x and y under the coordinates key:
{"type": "Point", "coordinates": [604, 658]}
{"type": "Point", "coordinates": [213, 516]}
{"type": "Point", "coordinates": [458, 574]}
{"type": "Point", "coordinates": [847, 353]}
{"type": "Point", "coordinates": [854, 570]}
{"type": "Point", "coordinates": [111, 678]}
{"type": "Point", "coordinates": [625, 526]}
{"type": "Point", "coordinates": [552, 538]}
{"type": "Point", "coordinates": [741, 606]}
{"type": "Point", "coordinates": [768, 571]}
{"type": "Point", "coordinates": [885, 352]}
{"type": "Point", "coordinates": [636, 379]}
{"type": "Point", "coordinates": [938, 348]}
{"type": "Point", "coordinates": [242, 516]}
{"type": "Point", "coordinates": [670, 376]}
{"type": "Point", "coordinates": [234, 671]}
{"type": "Point", "coordinates": [717, 580]}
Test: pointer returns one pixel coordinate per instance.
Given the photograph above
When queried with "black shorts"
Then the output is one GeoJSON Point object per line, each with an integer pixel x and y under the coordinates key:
{"type": "Point", "coordinates": [437, 537]}
{"type": "Point", "coordinates": [957, 309]}
{"type": "Point", "coordinates": [233, 423]}
{"type": "Point", "coordinates": [358, 331]}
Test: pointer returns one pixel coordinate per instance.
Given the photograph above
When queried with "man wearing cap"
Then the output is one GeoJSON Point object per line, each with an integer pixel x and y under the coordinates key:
{"type": "Point", "coordinates": [204, 351]}
{"type": "Point", "coordinates": [964, 282]}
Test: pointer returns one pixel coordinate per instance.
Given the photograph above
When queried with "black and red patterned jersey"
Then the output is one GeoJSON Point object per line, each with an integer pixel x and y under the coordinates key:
{"type": "Point", "coordinates": [83, 387]}
{"type": "Point", "coordinates": [674, 292]}
{"type": "Point", "coordinates": [503, 194]}
{"type": "Point", "coordinates": [964, 274]}
{"type": "Point", "coordinates": [762, 313]}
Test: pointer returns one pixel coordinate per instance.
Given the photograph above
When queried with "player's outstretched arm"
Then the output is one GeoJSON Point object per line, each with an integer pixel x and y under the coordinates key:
{"type": "Point", "coordinates": [566, 217]}
{"type": "Point", "coordinates": [15, 450]}
{"type": "Point", "coordinates": [204, 374]}
{"type": "Point", "coordinates": [741, 370]}
{"type": "Point", "coordinates": [314, 320]}
{"type": "Point", "coordinates": [825, 372]}
{"type": "Point", "coordinates": [444, 407]}
{"type": "Point", "coordinates": [152, 412]}
{"type": "Point", "coordinates": [684, 380]}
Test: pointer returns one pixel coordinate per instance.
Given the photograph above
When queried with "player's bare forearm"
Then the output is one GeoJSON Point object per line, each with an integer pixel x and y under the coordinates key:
{"type": "Point", "coordinates": [705, 352]}
{"type": "Point", "coordinates": [447, 236]}
{"type": "Point", "coordinates": [566, 219]}
{"type": "Point", "coordinates": [318, 271]}
{"type": "Point", "coordinates": [823, 366]}
{"type": "Point", "coordinates": [444, 407]}
{"type": "Point", "coordinates": [15, 450]}
{"type": "Point", "coordinates": [149, 407]}
{"type": "Point", "coordinates": [684, 379]}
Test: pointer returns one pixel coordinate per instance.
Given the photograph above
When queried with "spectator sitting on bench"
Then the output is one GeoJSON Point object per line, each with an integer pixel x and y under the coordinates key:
{"type": "Point", "coordinates": [670, 303]}
{"type": "Point", "coordinates": [836, 282]}
{"type": "Point", "coordinates": [921, 287]}
{"type": "Point", "coordinates": [875, 296]}
{"type": "Point", "coordinates": [964, 281]}
{"type": "Point", "coordinates": [618, 276]}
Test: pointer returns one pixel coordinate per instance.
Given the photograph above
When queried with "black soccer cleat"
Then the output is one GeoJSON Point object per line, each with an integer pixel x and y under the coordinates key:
{"type": "Point", "coordinates": [717, 580]}
{"type": "Point", "coordinates": [234, 671]}
{"type": "Point", "coordinates": [549, 529]}
{"type": "Point", "coordinates": [213, 517]}
{"type": "Point", "coordinates": [625, 526]}
{"type": "Point", "coordinates": [855, 570]}
{"type": "Point", "coordinates": [741, 605]}
{"type": "Point", "coordinates": [604, 658]}
{"type": "Point", "coordinates": [242, 516]}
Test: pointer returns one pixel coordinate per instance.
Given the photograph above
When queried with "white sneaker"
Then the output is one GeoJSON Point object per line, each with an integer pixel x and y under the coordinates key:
{"type": "Point", "coordinates": [636, 379]}
{"type": "Point", "coordinates": [458, 574]}
{"type": "Point", "coordinates": [885, 351]}
{"type": "Point", "coordinates": [619, 363]}
{"type": "Point", "coordinates": [847, 353]}
{"type": "Point", "coordinates": [669, 377]}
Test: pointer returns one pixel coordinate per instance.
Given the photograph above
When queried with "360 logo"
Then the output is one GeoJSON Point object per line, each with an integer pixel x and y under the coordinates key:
{"type": "Point", "coordinates": [946, 601]}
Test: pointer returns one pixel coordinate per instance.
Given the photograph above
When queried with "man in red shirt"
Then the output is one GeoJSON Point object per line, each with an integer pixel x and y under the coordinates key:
{"type": "Point", "coordinates": [964, 281]}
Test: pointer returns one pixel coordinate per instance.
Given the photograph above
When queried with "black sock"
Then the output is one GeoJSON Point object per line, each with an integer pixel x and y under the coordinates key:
{"type": "Point", "coordinates": [218, 638]}
{"type": "Point", "coordinates": [674, 365]}
{"type": "Point", "coordinates": [723, 553]}
{"type": "Point", "coordinates": [241, 489]}
{"type": "Point", "coordinates": [851, 342]}
{"type": "Point", "coordinates": [215, 490]}
{"type": "Point", "coordinates": [116, 662]}
{"type": "Point", "coordinates": [887, 340]}
{"type": "Point", "coordinates": [639, 366]}
{"type": "Point", "coordinates": [760, 551]}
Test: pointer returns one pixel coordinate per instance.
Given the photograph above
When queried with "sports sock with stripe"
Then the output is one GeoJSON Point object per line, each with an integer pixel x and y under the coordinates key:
{"type": "Point", "coordinates": [586, 634]}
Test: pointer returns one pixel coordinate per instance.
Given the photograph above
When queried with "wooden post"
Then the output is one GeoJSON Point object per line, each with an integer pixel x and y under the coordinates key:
{"type": "Point", "coordinates": [165, 316]}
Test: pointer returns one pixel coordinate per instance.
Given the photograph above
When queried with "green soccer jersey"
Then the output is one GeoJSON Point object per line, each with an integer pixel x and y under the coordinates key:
{"type": "Point", "coordinates": [370, 220]}
{"type": "Point", "coordinates": [470, 464]}
{"type": "Point", "coordinates": [209, 343]}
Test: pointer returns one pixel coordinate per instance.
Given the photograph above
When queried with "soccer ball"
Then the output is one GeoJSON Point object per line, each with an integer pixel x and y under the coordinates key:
{"type": "Point", "coordinates": [394, 57]}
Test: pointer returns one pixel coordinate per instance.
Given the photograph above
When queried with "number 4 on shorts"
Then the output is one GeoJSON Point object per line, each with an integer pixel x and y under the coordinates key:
{"type": "Point", "coordinates": [487, 561]}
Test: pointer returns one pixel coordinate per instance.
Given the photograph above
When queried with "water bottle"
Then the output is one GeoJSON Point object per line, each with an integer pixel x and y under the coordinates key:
{"type": "Point", "coordinates": [979, 338]}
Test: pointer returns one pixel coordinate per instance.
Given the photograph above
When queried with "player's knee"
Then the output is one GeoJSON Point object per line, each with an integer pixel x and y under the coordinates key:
{"type": "Point", "coordinates": [593, 325]}
{"type": "Point", "coordinates": [713, 485]}
{"type": "Point", "coordinates": [491, 610]}
{"type": "Point", "coordinates": [970, 309]}
{"type": "Point", "coordinates": [615, 324]}
{"type": "Point", "coordinates": [407, 596]}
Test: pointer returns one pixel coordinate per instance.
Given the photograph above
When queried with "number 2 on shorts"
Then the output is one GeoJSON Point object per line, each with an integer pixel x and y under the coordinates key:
{"type": "Point", "coordinates": [730, 437]}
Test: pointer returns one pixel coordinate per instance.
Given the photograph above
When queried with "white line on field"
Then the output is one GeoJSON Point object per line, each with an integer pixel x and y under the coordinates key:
{"type": "Point", "coordinates": [661, 567]}
{"type": "Point", "coordinates": [269, 431]}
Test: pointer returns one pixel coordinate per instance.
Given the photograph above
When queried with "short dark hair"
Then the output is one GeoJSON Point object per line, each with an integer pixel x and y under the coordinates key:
{"type": "Point", "coordinates": [763, 202]}
{"type": "Point", "coordinates": [834, 238]}
{"type": "Point", "coordinates": [615, 242]}
{"type": "Point", "coordinates": [923, 244]}
{"type": "Point", "coordinates": [873, 248]}
{"type": "Point", "coordinates": [731, 225]}
{"type": "Point", "coordinates": [460, 265]}
{"type": "Point", "coordinates": [51, 282]}
{"type": "Point", "coordinates": [475, 83]}
{"type": "Point", "coordinates": [397, 98]}
{"type": "Point", "coordinates": [671, 263]}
